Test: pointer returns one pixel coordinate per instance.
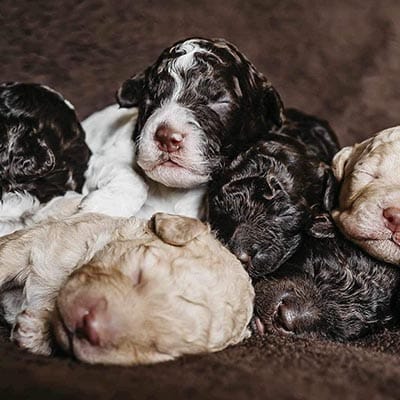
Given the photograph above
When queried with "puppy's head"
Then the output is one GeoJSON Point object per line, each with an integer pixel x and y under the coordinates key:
{"type": "Point", "coordinates": [369, 201]}
{"type": "Point", "coordinates": [154, 295]}
{"type": "Point", "coordinates": [42, 144]}
{"type": "Point", "coordinates": [328, 289]}
{"type": "Point", "coordinates": [201, 99]}
{"type": "Point", "coordinates": [265, 202]}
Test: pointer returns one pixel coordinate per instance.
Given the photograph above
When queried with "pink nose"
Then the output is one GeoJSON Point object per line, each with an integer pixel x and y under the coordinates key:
{"type": "Point", "coordinates": [392, 216]}
{"type": "Point", "coordinates": [168, 140]}
{"type": "Point", "coordinates": [88, 321]}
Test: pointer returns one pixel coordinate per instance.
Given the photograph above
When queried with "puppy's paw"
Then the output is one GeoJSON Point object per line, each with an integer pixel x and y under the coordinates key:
{"type": "Point", "coordinates": [31, 332]}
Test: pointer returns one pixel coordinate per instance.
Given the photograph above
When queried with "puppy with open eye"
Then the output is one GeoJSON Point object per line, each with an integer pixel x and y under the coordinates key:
{"type": "Point", "coordinates": [199, 102]}
{"type": "Point", "coordinates": [262, 204]}
{"type": "Point", "coordinates": [123, 291]}
{"type": "Point", "coordinates": [43, 153]}
{"type": "Point", "coordinates": [368, 212]}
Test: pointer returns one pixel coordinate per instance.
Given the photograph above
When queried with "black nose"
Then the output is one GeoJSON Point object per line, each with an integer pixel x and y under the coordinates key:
{"type": "Point", "coordinates": [292, 316]}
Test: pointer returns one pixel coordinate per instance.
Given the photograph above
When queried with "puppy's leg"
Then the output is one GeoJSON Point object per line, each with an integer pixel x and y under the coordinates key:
{"type": "Point", "coordinates": [112, 186]}
{"type": "Point", "coordinates": [46, 255]}
{"type": "Point", "coordinates": [15, 208]}
{"type": "Point", "coordinates": [120, 191]}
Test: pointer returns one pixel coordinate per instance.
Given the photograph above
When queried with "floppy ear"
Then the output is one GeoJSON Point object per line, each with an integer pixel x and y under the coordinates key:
{"type": "Point", "coordinates": [272, 106]}
{"type": "Point", "coordinates": [322, 226]}
{"type": "Point", "coordinates": [340, 160]}
{"type": "Point", "coordinates": [175, 229]}
{"type": "Point", "coordinates": [130, 93]}
{"type": "Point", "coordinates": [271, 187]}
{"type": "Point", "coordinates": [331, 186]}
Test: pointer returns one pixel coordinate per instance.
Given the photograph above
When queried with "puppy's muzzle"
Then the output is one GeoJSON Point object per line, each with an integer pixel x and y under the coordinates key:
{"type": "Point", "coordinates": [168, 140]}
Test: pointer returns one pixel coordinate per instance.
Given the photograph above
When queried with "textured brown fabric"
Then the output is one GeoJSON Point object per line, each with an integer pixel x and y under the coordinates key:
{"type": "Point", "coordinates": [337, 59]}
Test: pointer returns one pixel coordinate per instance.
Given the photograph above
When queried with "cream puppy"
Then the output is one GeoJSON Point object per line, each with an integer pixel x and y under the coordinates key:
{"type": "Point", "coordinates": [369, 201]}
{"type": "Point", "coordinates": [123, 291]}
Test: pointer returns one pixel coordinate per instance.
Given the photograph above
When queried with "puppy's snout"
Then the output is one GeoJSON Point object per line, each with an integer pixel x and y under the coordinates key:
{"type": "Point", "coordinates": [168, 140]}
{"type": "Point", "coordinates": [392, 218]}
{"type": "Point", "coordinates": [89, 320]}
{"type": "Point", "coordinates": [291, 316]}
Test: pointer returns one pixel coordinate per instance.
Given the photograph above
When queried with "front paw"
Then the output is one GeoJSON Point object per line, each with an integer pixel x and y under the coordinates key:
{"type": "Point", "coordinates": [31, 332]}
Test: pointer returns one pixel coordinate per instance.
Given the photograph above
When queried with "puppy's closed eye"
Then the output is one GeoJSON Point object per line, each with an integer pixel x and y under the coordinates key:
{"type": "Point", "coordinates": [271, 187]}
{"type": "Point", "coordinates": [177, 230]}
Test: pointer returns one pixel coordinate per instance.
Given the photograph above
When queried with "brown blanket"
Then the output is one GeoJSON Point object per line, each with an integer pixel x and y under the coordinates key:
{"type": "Point", "coordinates": [339, 60]}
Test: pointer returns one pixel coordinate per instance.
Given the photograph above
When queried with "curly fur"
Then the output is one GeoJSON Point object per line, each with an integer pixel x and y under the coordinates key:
{"type": "Point", "coordinates": [206, 92]}
{"type": "Point", "coordinates": [329, 289]}
{"type": "Point", "coordinates": [264, 201]}
{"type": "Point", "coordinates": [43, 153]}
{"type": "Point", "coordinates": [209, 92]}
{"type": "Point", "coordinates": [123, 291]}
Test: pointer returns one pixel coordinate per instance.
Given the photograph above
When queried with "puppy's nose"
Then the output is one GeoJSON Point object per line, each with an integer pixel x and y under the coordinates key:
{"type": "Point", "coordinates": [89, 321]}
{"type": "Point", "coordinates": [392, 217]}
{"type": "Point", "coordinates": [291, 317]}
{"type": "Point", "coordinates": [168, 140]}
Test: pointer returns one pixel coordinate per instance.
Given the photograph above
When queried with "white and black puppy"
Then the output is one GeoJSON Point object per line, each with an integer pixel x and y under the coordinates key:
{"type": "Point", "coordinates": [202, 101]}
{"type": "Point", "coordinates": [43, 153]}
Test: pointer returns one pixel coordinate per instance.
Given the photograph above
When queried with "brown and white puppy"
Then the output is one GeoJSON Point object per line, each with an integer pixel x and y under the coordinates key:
{"type": "Point", "coordinates": [123, 291]}
{"type": "Point", "coordinates": [43, 153]}
{"type": "Point", "coordinates": [200, 102]}
{"type": "Point", "coordinates": [369, 201]}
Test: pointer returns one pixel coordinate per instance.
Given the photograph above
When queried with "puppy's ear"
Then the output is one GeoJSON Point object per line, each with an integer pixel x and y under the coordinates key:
{"type": "Point", "coordinates": [272, 106]}
{"type": "Point", "coordinates": [340, 160]}
{"type": "Point", "coordinates": [175, 229]}
{"type": "Point", "coordinates": [331, 189]}
{"type": "Point", "coordinates": [130, 93]}
{"type": "Point", "coordinates": [322, 227]}
{"type": "Point", "coordinates": [271, 187]}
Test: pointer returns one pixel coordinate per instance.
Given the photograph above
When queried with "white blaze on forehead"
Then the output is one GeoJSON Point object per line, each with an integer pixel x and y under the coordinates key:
{"type": "Point", "coordinates": [183, 63]}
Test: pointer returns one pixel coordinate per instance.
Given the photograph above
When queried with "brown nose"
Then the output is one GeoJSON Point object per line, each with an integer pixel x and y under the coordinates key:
{"type": "Point", "coordinates": [168, 140]}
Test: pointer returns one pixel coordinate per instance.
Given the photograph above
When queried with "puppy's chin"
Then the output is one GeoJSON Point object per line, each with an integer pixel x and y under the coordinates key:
{"type": "Point", "coordinates": [386, 249]}
{"type": "Point", "coordinates": [83, 351]}
{"type": "Point", "coordinates": [172, 175]}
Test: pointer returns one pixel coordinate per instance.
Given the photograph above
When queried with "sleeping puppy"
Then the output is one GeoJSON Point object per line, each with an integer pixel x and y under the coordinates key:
{"type": "Point", "coordinates": [201, 101]}
{"type": "Point", "coordinates": [262, 204]}
{"type": "Point", "coordinates": [123, 291]}
{"type": "Point", "coordinates": [43, 153]}
{"type": "Point", "coordinates": [369, 203]}
{"type": "Point", "coordinates": [329, 289]}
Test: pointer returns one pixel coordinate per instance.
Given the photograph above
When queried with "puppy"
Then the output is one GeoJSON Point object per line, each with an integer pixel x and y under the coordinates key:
{"type": "Point", "coordinates": [330, 289]}
{"type": "Point", "coordinates": [369, 203]}
{"type": "Point", "coordinates": [124, 291]}
{"type": "Point", "coordinates": [43, 153]}
{"type": "Point", "coordinates": [200, 102]}
{"type": "Point", "coordinates": [264, 201]}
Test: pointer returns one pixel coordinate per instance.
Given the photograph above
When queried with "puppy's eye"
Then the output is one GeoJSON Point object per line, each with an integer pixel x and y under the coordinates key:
{"type": "Point", "coordinates": [271, 188]}
{"type": "Point", "coordinates": [223, 100]}
{"type": "Point", "coordinates": [231, 189]}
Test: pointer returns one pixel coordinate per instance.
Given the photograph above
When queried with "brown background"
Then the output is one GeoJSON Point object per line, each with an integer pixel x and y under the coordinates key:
{"type": "Point", "coordinates": [337, 59]}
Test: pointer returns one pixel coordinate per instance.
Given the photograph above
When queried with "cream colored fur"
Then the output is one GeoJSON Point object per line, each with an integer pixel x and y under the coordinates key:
{"type": "Point", "coordinates": [170, 288]}
{"type": "Point", "coordinates": [370, 183]}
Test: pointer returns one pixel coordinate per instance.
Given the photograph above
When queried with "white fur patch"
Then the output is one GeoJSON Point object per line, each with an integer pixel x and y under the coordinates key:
{"type": "Point", "coordinates": [113, 187]}
{"type": "Point", "coordinates": [190, 156]}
